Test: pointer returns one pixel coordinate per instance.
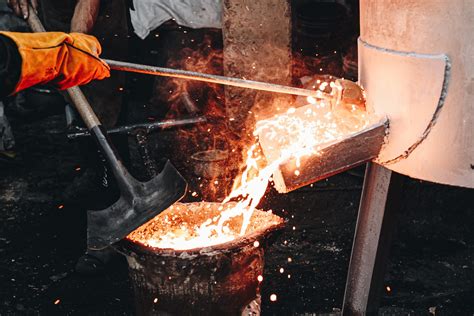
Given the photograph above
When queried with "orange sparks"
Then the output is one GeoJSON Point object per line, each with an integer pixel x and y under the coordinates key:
{"type": "Point", "coordinates": [60, 206]}
{"type": "Point", "coordinates": [293, 135]}
{"type": "Point", "coordinates": [56, 302]}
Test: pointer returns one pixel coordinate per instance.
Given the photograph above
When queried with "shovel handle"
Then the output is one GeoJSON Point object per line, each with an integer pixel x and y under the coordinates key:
{"type": "Point", "coordinates": [75, 93]}
{"type": "Point", "coordinates": [87, 113]}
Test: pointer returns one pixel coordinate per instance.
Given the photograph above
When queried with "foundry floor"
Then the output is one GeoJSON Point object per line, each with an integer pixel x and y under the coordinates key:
{"type": "Point", "coordinates": [430, 267]}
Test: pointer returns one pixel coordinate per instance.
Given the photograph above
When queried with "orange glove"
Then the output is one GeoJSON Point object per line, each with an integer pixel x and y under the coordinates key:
{"type": "Point", "coordinates": [65, 60]}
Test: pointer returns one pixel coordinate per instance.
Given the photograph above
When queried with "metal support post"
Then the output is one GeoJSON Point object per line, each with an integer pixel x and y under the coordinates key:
{"type": "Point", "coordinates": [375, 223]}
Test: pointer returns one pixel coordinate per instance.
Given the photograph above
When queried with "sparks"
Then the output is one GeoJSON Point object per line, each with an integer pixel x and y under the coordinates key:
{"type": "Point", "coordinates": [296, 134]}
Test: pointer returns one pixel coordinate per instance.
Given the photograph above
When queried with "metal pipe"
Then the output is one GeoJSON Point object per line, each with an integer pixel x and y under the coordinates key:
{"type": "Point", "coordinates": [147, 126]}
{"type": "Point", "coordinates": [229, 81]}
{"type": "Point", "coordinates": [375, 223]}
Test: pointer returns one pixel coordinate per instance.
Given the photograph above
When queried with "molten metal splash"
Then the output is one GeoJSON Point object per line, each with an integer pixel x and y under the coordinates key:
{"type": "Point", "coordinates": [298, 133]}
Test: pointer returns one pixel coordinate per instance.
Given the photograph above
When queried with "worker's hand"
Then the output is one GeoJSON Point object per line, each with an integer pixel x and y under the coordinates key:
{"type": "Point", "coordinates": [83, 63]}
{"type": "Point", "coordinates": [20, 7]}
{"type": "Point", "coordinates": [63, 60]}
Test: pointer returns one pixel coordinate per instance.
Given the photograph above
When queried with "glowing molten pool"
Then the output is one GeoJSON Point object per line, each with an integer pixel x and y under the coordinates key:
{"type": "Point", "coordinates": [186, 226]}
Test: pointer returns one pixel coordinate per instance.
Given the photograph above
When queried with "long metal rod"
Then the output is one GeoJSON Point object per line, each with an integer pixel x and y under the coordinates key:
{"type": "Point", "coordinates": [229, 81]}
{"type": "Point", "coordinates": [147, 126]}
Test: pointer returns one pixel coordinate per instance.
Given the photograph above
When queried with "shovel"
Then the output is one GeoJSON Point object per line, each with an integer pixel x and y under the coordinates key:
{"type": "Point", "coordinates": [139, 201]}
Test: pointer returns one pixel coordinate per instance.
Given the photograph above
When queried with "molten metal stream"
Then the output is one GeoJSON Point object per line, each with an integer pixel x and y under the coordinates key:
{"type": "Point", "coordinates": [295, 136]}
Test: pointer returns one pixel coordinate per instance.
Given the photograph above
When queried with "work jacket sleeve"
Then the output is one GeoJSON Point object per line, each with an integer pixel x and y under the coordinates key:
{"type": "Point", "coordinates": [10, 66]}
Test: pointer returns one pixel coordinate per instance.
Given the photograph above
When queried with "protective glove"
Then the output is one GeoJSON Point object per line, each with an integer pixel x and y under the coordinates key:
{"type": "Point", "coordinates": [63, 60]}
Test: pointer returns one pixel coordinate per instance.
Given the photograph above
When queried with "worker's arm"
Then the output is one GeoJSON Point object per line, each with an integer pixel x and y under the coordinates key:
{"type": "Point", "coordinates": [60, 59]}
{"type": "Point", "coordinates": [85, 15]}
{"type": "Point", "coordinates": [10, 66]}
{"type": "Point", "coordinates": [20, 7]}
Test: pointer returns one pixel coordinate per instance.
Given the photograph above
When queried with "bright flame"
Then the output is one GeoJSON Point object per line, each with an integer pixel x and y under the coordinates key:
{"type": "Point", "coordinates": [298, 133]}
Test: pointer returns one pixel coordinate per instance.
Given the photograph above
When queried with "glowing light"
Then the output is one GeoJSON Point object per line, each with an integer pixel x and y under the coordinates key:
{"type": "Point", "coordinates": [60, 206]}
{"type": "Point", "coordinates": [260, 278]}
{"type": "Point", "coordinates": [388, 289]}
{"type": "Point", "coordinates": [56, 302]}
{"type": "Point", "coordinates": [311, 100]}
{"type": "Point", "coordinates": [298, 133]}
{"type": "Point", "coordinates": [282, 270]}
{"type": "Point", "coordinates": [186, 226]}
{"type": "Point", "coordinates": [273, 297]}
{"type": "Point", "coordinates": [155, 300]}
{"type": "Point", "coordinates": [289, 259]}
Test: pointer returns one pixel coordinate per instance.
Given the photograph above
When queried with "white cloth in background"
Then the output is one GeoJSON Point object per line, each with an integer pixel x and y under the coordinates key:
{"type": "Point", "coordinates": [150, 14]}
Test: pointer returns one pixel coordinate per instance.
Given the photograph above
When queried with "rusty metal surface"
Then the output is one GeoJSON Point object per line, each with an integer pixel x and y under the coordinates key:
{"type": "Point", "coordinates": [217, 280]}
{"type": "Point", "coordinates": [335, 157]}
{"type": "Point", "coordinates": [257, 46]}
{"type": "Point", "coordinates": [213, 284]}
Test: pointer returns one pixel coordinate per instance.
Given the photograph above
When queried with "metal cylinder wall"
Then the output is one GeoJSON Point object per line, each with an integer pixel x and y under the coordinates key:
{"type": "Point", "coordinates": [416, 63]}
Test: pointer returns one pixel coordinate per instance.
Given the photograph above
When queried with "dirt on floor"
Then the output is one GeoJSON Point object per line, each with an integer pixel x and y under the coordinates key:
{"type": "Point", "coordinates": [430, 270]}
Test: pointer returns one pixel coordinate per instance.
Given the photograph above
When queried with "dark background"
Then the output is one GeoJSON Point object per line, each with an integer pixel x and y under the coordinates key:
{"type": "Point", "coordinates": [431, 261]}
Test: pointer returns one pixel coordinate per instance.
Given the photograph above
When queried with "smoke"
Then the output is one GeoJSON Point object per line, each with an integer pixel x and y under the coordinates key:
{"type": "Point", "coordinates": [201, 152]}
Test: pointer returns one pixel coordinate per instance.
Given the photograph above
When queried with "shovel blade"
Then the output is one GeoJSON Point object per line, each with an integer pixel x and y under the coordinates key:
{"type": "Point", "coordinates": [144, 201]}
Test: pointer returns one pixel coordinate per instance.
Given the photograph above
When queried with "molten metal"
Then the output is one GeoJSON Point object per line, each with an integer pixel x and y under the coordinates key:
{"type": "Point", "coordinates": [186, 226]}
{"type": "Point", "coordinates": [291, 136]}
{"type": "Point", "coordinates": [217, 278]}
